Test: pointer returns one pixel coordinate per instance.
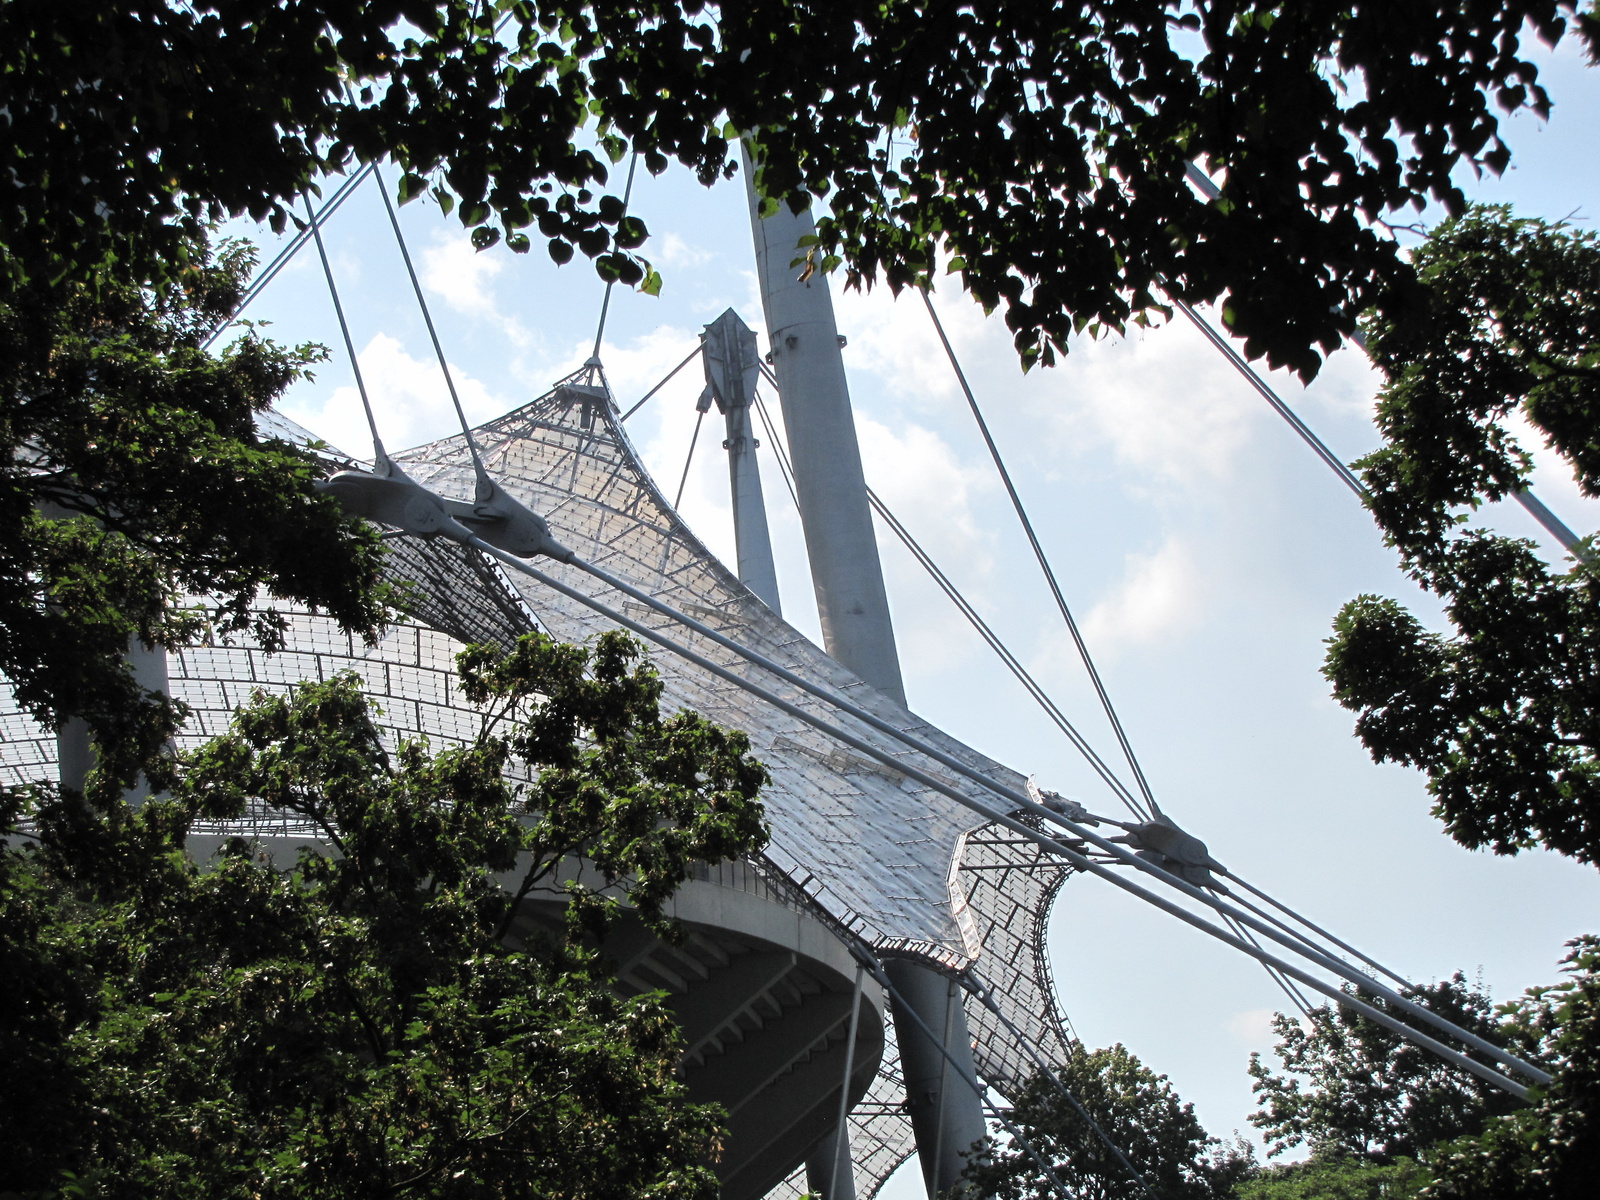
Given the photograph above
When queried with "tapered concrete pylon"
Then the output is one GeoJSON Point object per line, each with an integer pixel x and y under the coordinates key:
{"type": "Point", "coordinates": [946, 1114]}
{"type": "Point", "coordinates": [828, 480]}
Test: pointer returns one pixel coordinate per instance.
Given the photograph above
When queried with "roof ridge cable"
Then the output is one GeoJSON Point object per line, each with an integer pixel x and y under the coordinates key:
{"type": "Point", "coordinates": [1044, 563]}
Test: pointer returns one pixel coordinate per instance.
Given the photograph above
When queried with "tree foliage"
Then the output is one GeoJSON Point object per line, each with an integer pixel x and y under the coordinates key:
{"type": "Point", "coordinates": [1136, 1109]}
{"type": "Point", "coordinates": [132, 476]}
{"type": "Point", "coordinates": [1385, 1120]}
{"type": "Point", "coordinates": [1551, 1150]}
{"type": "Point", "coordinates": [1504, 713]}
{"type": "Point", "coordinates": [371, 1019]}
{"type": "Point", "coordinates": [1352, 1089]}
{"type": "Point", "coordinates": [1043, 146]}
{"type": "Point", "coordinates": [1337, 1177]}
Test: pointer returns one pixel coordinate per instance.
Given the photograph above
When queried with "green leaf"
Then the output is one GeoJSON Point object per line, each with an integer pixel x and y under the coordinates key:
{"type": "Point", "coordinates": [411, 186]}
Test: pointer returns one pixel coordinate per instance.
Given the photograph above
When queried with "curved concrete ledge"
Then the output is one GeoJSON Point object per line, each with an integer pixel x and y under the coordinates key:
{"type": "Point", "coordinates": [764, 994]}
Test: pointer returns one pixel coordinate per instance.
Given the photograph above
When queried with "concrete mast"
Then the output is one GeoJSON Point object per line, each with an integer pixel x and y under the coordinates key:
{"type": "Point", "coordinates": [946, 1116]}
{"type": "Point", "coordinates": [732, 372]}
{"type": "Point", "coordinates": [828, 481]}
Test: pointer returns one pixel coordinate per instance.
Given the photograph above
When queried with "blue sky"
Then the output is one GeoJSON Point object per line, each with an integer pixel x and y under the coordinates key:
{"type": "Point", "coordinates": [1203, 548]}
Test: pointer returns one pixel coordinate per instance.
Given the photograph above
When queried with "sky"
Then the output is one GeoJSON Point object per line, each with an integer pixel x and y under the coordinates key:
{"type": "Point", "coordinates": [1203, 548]}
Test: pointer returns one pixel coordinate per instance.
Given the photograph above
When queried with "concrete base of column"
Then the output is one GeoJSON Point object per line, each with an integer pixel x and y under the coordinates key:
{"type": "Point", "coordinates": [821, 1172]}
{"type": "Point", "coordinates": [946, 1114]}
{"type": "Point", "coordinates": [74, 750]}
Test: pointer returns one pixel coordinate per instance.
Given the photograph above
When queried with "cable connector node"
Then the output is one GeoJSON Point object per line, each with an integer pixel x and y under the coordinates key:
{"type": "Point", "coordinates": [393, 498]}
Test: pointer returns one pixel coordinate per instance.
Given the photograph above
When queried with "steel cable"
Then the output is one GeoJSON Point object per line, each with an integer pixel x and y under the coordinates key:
{"type": "Point", "coordinates": [975, 619]}
{"type": "Point", "coordinates": [605, 304]}
{"type": "Point", "coordinates": [1023, 805]}
{"type": "Point", "coordinates": [379, 457]}
{"type": "Point", "coordinates": [668, 379]}
{"type": "Point", "coordinates": [695, 437]}
{"type": "Point", "coordinates": [281, 259]}
{"type": "Point", "coordinates": [1553, 525]}
{"type": "Point", "coordinates": [427, 319]}
{"type": "Point", "coordinates": [1044, 564]}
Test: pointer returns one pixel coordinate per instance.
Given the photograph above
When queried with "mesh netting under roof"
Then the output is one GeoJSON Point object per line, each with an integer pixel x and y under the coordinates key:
{"type": "Point", "coordinates": [868, 849]}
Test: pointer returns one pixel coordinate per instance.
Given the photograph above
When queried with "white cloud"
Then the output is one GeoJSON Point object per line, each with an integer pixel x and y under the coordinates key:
{"type": "Point", "coordinates": [931, 491]}
{"type": "Point", "coordinates": [919, 476]}
{"type": "Point", "coordinates": [1346, 388]}
{"type": "Point", "coordinates": [463, 276]}
{"type": "Point", "coordinates": [636, 366]}
{"type": "Point", "coordinates": [893, 338]}
{"type": "Point", "coordinates": [465, 279]}
{"type": "Point", "coordinates": [1155, 402]}
{"type": "Point", "coordinates": [672, 251]}
{"type": "Point", "coordinates": [409, 401]}
{"type": "Point", "coordinates": [1252, 1029]}
{"type": "Point", "coordinates": [1160, 596]}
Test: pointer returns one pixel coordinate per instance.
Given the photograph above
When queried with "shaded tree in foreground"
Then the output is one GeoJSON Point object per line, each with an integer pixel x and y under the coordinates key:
{"type": "Point", "coordinates": [358, 1024]}
{"type": "Point", "coordinates": [1137, 1110]}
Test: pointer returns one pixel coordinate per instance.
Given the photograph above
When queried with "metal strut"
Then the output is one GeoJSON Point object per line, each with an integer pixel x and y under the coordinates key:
{"type": "Point", "coordinates": [1553, 525]}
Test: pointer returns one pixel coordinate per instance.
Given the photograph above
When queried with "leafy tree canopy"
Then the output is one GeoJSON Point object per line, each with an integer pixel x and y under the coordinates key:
{"type": "Point", "coordinates": [1551, 1150]}
{"type": "Point", "coordinates": [1136, 1109]}
{"type": "Point", "coordinates": [1352, 1089]}
{"type": "Point", "coordinates": [1504, 713]}
{"type": "Point", "coordinates": [1043, 146]}
{"type": "Point", "coordinates": [1337, 1177]}
{"type": "Point", "coordinates": [132, 476]}
{"type": "Point", "coordinates": [1385, 1120]}
{"type": "Point", "coordinates": [371, 1019]}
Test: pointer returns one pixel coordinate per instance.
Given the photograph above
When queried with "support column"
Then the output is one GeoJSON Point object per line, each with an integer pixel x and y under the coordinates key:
{"type": "Point", "coordinates": [820, 1170]}
{"type": "Point", "coordinates": [946, 1115]}
{"type": "Point", "coordinates": [856, 629]}
{"type": "Point", "coordinates": [74, 751]}
{"type": "Point", "coordinates": [732, 372]}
